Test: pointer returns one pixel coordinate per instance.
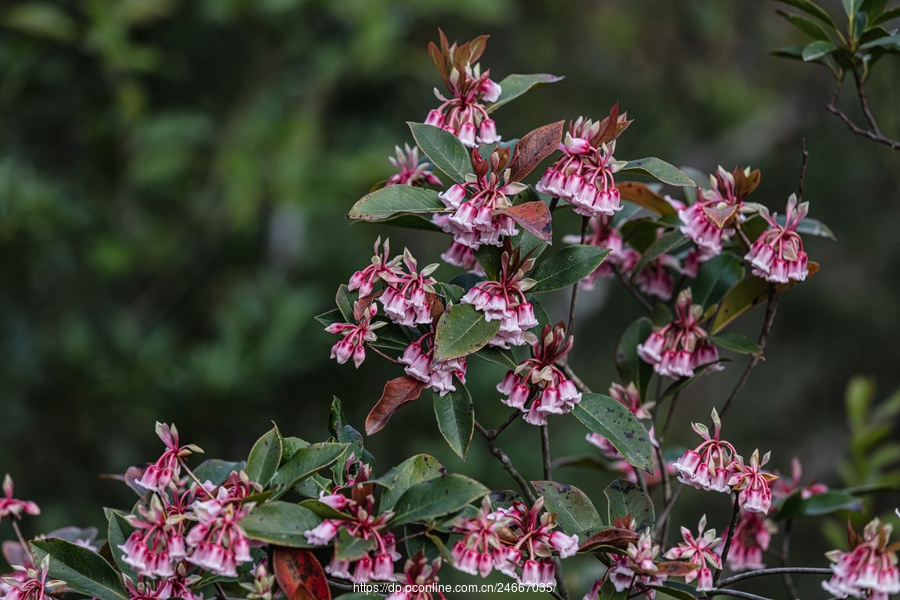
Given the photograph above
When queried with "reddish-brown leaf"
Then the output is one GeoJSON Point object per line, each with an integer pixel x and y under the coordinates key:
{"type": "Point", "coordinates": [439, 62]}
{"type": "Point", "coordinates": [534, 147]}
{"type": "Point", "coordinates": [674, 569]}
{"type": "Point", "coordinates": [299, 574]}
{"type": "Point", "coordinates": [437, 308]}
{"type": "Point", "coordinates": [476, 48]}
{"type": "Point", "coordinates": [533, 216]}
{"type": "Point", "coordinates": [614, 536]}
{"type": "Point", "coordinates": [745, 184]}
{"type": "Point", "coordinates": [720, 216]}
{"type": "Point", "coordinates": [397, 392]}
{"type": "Point", "coordinates": [642, 195]}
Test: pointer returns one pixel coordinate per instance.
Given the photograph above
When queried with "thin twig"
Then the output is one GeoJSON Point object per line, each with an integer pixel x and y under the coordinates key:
{"type": "Point", "coordinates": [663, 528]}
{"type": "Point", "coordinates": [875, 134]}
{"type": "Point", "coordinates": [21, 537]}
{"type": "Point", "coordinates": [383, 355]}
{"type": "Point", "coordinates": [506, 463]}
{"type": "Point", "coordinates": [669, 415]}
{"type": "Point", "coordinates": [731, 529]}
{"type": "Point", "coordinates": [785, 553]}
{"type": "Point", "coordinates": [804, 160]}
{"type": "Point", "coordinates": [509, 421]}
{"type": "Point", "coordinates": [571, 327]}
{"type": "Point", "coordinates": [220, 591]}
{"type": "Point", "coordinates": [776, 571]}
{"type": "Point", "coordinates": [771, 307]}
{"type": "Point", "coordinates": [631, 290]}
{"type": "Point", "coordinates": [545, 452]}
{"type": "Point", "coordinates": [196, 480]}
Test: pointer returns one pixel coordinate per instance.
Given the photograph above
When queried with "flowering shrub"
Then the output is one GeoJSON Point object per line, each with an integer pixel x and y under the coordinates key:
{"type": "Point", "coordinates": [307, 520]}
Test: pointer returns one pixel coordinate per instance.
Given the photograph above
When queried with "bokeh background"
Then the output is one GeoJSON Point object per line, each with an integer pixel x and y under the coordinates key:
{"type": "Point", "coordinates": [174, 177]}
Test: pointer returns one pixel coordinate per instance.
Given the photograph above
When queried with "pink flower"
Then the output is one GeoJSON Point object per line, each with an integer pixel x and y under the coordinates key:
{"type": "Point", "coordinates": [381, 264]}
{"type": "Point", "coordinates": [421, 365]}
{"type": "Point", "coordinates": [167, 468]}
{"type": "Point", "coordinates": [412, 172]}
{"type": "Point", "coordinates": [869, 570]}
{"type": "Point", "coordinates": [605, 235]}
{"type": "Point", "coordinates": [698, 551]}
{"type": "Point", "coordinates": [156, 546]}
{"type": "Point", "coordinates": [34, 585]}
{"type": "Point", "coordinates": [408, 297]}
{"type": "Point", "coordinates": [583, 176]}
{"type": "Point", "coordinates": [10, 507]}
{"type": "Point", "coordinates": [464, 113]}
{"type": "Point", "coordinates": [706, 221]}
{"type": "Point", "coordinates": [217, 542]}
{"type": "Point", "coordinates": [149, 590]}
{"type": "Point", "coordinates": [538, 379]}
{"type": "Point", "coordinates": [781, 488]}
{"type": "Point", "coordinates": [682, 345]}
{"type": "Point", "coordinates": [636, 567]}
{"type": "Point", "coordinates": [751, 540]}
{"type": "Point", "coordinates": [420, 579]}
{"type": "Point", "coordinates": [356, 335]}
{"type": "Point", "coordinates": [709, 466]}
{"type": "Point", "coordinates": [656, 279]}
{"type": "Point", "coordinates": [753, 483]}
{"type": "Point", "coordinates": [778, 255]}
{"type": "Point", "coordinates": [459, 255]}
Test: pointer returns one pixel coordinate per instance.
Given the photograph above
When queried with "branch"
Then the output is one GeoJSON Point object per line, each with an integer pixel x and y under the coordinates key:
{"type": "Point", "coordinates": [729, 539]}
{"type": "Point", "coordinates": [545, 452]}
{"type": "Point", "coordinates": [785, 552]}
{"type": "Point", "coordinates": [874, 133]}
{"type": "Point", "coordinates": [581, 385]}
{"type": "Point", "coordinates": [775, 571]}
{"type": "Point", "coordinates": [631, 290]}
{"type": "Point", "coordinates": [571, 327]}
{"type": "Point", "coordinates": [771, 307]}
{"type": "Point", "coordinates": [491, 439]}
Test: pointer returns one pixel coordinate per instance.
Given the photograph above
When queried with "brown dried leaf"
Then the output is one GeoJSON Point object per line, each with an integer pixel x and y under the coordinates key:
{"type": "Point", "coordinates": [533, 216]}
{"type": "Point", "coordinates": [673, 568]}
{"type": "Point", "coordinates": [534, 147]}
{"type": "Point", "coordinates": [614, 536]}
{"type": "Point", "coordinates": [299, 574]}
{"type": "Point", "coordinates": [397, 392]}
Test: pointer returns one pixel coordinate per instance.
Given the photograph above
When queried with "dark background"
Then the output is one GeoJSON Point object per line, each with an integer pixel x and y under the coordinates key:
{"type": "Point", "coordinates": [174, 177]}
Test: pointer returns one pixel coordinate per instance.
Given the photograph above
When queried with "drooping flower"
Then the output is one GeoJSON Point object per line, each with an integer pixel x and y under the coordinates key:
{"type": "Point", "coordinates": [698, 551]}
{"type": "Point", "coordinates": [356, 335]}
{"type": "Point", "coordinates": [464, 113]}
{"type": "Point", "coordinates": [778, 255]}
{"type": "Point", "coordinates": [418, 358]}
{"type": "Point", "coordinates": [708, 219]}
{"type": "Point", "coordinates": [412, 172]}
{"type": "Point", "coordinates": [753, 483]}
{"type": "Point", "coordinates": [605, 235]}
{"type": "Point", "coordinates": [10, 507]}
{"type": "Point", "coordinates": [583, 175]}
{"type": "Point", "coordinates": [408, 297]}
{"type": "Point", "coordinates": [504, 300]}
{"type": "Point", "coordinates": [481, 550]}
{"type": "Point", "coordinates": [218, 542]}
{"type": "Point", "coordinates": [752, 535]}
{"type": "Point", "coordinates": [682, 345]}
{"type": "Point", "coordinates": [148, 590]}
{"type": "Point", "coordinates": [167, 468]}
{"type": "Point", "coordinates": [636, 567]}
{"type": "Point", "coordinates": [382, 264]}
{"type": "Point", "coordinates": [537, 387]}
{"type": "Point", "coordinates": [35, 584]}
{"type": "Point", "coordinates": [657, 278]}
{"type": "Point", "coordinates": [711, 465]}
{"type": "Point", "coordinates": [869, 569]}
{"type": "Point", "coordinates": [420, 580]}
{"type": "Point", "coordinates": [474, 221]}
{"type": "Point", "coordinates": [782, 488]}
{"type": "Point", "coordinates": [156, 546]}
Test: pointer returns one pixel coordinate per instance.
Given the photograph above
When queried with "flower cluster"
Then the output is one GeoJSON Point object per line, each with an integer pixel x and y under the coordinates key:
{"type": "Point", "coordinates": [715, 465]}
{"type": "Point", "coordinates": [464, 113]}
{"type": "Point", "coordinates": [511, 538]}
{"type": "Point", "coordinates": [418, 358]}
{"type": "Point", "coordinates": [752, 535]}
{"type": "Point", "coordinates": [778, 255]}
{"type": "Point", "coordinates": [707, 220]}
{"type": "Point", "coordinates": [167, 468]}
{"type": "Point", "coordinates": [698, 551]}
{"type": "Point", "coordinates": [603, 234]}
{"type": "Point", "coordinates": [682, 345]}
{"type": "Point", "coordinates": [10, 507]}
{"type": "Point", "coordinates": [504, 300]}
{"type": "Point", "coordinates": [411, 171]}
{"type": "Point", "coordinates": [358, 519]}
{"type": "Point", "coordinates": [869, 569]}
{"type": "Point", "coordinates": [536, 386]}
{"type": "Point", "coordinates": [635, 567]}
{"type": "Point", "coordinates": [420, 578]}
{"type": "Point", "coordinates": [583, 175]}
{"type": "Point", "coordinates": [356, 334]}
{"type": "Point", "coordinates": [33, 584]}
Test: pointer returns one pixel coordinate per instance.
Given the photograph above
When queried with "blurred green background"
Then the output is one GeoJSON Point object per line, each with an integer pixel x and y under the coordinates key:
{"type": "Point", "coordinates": [174, 177]}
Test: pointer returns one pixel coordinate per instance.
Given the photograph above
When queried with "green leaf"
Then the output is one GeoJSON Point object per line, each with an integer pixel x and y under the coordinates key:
{"type": "Point", "coordinates": [717, 275]}
{"type": "Point", "coordinates": [396, 200]}
{"type": "Point", "coordinates": [350, 548]}
{"type": "Point", "coordinates": [456, 418]}
{"type": "Point", "coordinates": [631, 367]}
{"type": "Point", "coordinates": [323, 510]}
{"type": "Point", "coordinates": [497, 356]}
{"type": "Point", "coordinates": [513, 86]}
{"type": "Point", "coordinates": [118, 532]}
{"type": "Point", "coordinates": [265, 457]}
{"type": "Point", "coordinates": [413, 470]}
{"type": "Point", "coordinates": [84, 571]}
{"type": "Point", "coordinates": [811, 8]}
{"type": "Point", "coordinates": [891, 41]}
{"type": "Point", "coordinates": [567, 267]}
{"type": "Point", "coordinates": [488, 257]}
{"type": "Point", "coordinates": [851, 6]}
{"type": "Point", "coordinates": [439, 497]}
{"type": "Point", "coordinates": [665, 244]}
{"type": "Point", "coordinates": [817, 49]}
{"type": "Point", "coordinates": [736, 343]}
{"type": "Point", "coordinates": [807, 26]}
{"type": "Point", "coordinates": [739, 299]}
{"type": "Point", "coordinates": [332, 316]}
{"type": "Point", "coordinates": [608, 592]}
{"type": "Point", "coordinates": [791, 52]}
{"type": "Point", "coordinates": [453, 293]}
{"type": "Point", "coordinates": [217, 471]}
{"type": "Point", "coordinates": [611, 419]}
{"type": "Point", "coordinates": [344, 302]}
{"type": "Point", "coordinates": [575, 512]}
{"type": "Point", "coordinates": [461, 331]}
{"type": "Point", "coordinates": [888, 15]}
{"type": "Point", "coordinates": [627, 498]}
{"type": "Point", "coordinates": [832, 501]}
{"type": "Point", "coordinates": [304, 463]}
{"type": "Point", "coordinates": [280, 523]}
{"type": "Point", "coordinates": [658, 169]}
{"type": "Point", "coordinates": [443, 149]}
